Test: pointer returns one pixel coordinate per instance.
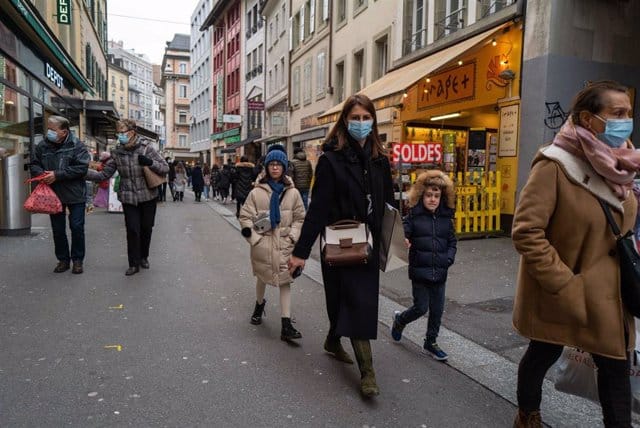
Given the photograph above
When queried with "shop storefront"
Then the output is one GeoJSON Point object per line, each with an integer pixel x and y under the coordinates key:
{"type": "Point", "coordinates": [223, 142]}
{"type": "Point", "coordinates": [457, 110]}
{"type": "Point", "coordinates": [463, 119]}
{"type": "Point", "coordinates": [311, 142]}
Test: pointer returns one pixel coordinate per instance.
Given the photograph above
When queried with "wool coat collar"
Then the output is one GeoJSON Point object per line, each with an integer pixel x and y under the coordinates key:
{"type": "Point", "coordinates": [582, 174]}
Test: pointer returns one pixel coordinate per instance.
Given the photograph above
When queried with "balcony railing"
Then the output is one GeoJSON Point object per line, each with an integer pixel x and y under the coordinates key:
{"type": "Point", "coordinates": [451, 23]}
{"type": "Point", "coordinates": [489, 7]}
{"type": "Point", "coordinates": [417, 41]}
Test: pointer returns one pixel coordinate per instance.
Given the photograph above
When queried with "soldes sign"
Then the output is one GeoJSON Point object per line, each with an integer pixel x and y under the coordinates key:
{"type": "Point", "coordinates": [417, 152]}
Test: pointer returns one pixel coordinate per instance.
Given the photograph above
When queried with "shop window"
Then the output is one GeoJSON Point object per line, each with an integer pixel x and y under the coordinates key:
{"type": "Point", "coordinates": [340, 82]}
{"type": "Point", "coordinates": [358, 72]}
{"type": "Point", "coordinates": [381, 63]}
{"type": "Point", "coordinates": [14, 115]}
{"type": "Point", "coordinates": [320, 74]}
{"type": "Point", "coordinates": [306, 81]}
{"type": "Point", "coordinates": [341, 11]}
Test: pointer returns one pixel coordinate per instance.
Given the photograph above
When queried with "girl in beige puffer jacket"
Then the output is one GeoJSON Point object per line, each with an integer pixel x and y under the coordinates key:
{"type": "Point", "coordinates": [271, 219]}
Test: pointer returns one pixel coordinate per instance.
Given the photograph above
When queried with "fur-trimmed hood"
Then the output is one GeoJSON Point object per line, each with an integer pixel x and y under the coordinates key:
{"type": "Point", "coordinates": [436, 178]}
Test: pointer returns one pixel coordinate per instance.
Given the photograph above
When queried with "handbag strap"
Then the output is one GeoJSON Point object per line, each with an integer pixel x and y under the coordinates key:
{"type": "Point", "coordinates": [612, 223]}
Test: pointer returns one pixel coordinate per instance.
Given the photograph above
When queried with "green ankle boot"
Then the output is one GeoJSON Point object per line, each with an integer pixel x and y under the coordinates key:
{"type": "Point", "coordinates": [334, 347]}
{"type": "Point", "coordinates": [368, 385]}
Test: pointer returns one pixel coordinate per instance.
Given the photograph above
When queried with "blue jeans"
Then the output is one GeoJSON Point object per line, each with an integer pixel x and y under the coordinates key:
{"type": "Point", "coordinates": [59, 228]}
{"type": "Point", "coordinates": [305, 198]}
{"type": "Point", "coordinates": [206, 191]}
{"type": "Point", "coordinates": [426, 297]}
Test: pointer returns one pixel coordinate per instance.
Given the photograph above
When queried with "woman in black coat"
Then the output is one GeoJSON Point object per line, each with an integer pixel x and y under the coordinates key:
{"type": "Point", "coordinates": [352, 181]}
{"type": "Point", "coordinates": [197, 181]}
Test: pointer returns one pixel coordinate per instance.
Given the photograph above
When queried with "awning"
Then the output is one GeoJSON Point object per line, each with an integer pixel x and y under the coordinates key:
{"type": "Point", "coordinates": [399, 80]}
{"type": "Point", "coordinates": [232, 148]}
{"type": "Point", "coordinates": [272, 138]}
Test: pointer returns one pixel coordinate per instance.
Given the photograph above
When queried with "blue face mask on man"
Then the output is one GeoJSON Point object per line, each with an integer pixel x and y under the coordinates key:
{"type": "Point", "coordinates": [616, 131]}
{"type": "Point", "coordinates": [123, 138]}
{"type": "Point", "coordinates": [360, 129]}
{"type": "Point", "coordinates": [52, 135]}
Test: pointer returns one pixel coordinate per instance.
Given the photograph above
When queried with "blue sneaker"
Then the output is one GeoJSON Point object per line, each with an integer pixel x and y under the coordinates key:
{"type": "Point", "coordinates": [434, 350]}
{"type": "Point", "coordinates": [396, 327]}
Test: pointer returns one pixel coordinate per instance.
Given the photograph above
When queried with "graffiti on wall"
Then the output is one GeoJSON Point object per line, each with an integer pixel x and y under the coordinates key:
{"type": "Point", "coordinates": [555, 115]}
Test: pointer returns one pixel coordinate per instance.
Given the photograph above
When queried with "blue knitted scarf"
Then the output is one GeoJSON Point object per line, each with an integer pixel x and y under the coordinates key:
{"type": "Point", "coordinates": [274, 205]}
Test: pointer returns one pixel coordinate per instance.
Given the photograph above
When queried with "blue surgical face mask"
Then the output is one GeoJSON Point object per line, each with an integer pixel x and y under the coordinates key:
{"type": "Point", "coordinates": [52, 135]}
{"type": "Point", "coordinates": [123, 138]}
{"type": "Point", "coordinates": [359, 130]}
{"type": "Point", "coordinates": [616, 131]}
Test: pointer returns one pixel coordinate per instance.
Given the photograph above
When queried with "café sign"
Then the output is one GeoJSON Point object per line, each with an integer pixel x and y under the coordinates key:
{"type": "Point", "coordinates": [453, 85]}
{"type": "Point", "coordinates": [64, 12]}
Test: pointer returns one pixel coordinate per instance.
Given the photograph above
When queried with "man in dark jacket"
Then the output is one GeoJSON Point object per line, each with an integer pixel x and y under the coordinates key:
{"type": "Point", "coordinates": [301, 172]}
{"type": "Point", "coordinates": [64, 161]}
{"type": "Point", "coordinates": [243, 181]}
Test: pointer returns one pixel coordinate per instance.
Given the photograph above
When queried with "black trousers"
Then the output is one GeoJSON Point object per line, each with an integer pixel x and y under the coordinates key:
{"type": "Point", "coordinates": [614, 388]}
{"type": "Point", "coordinates": [139, 220]}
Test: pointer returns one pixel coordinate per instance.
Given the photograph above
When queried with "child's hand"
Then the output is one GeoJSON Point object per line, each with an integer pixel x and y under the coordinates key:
{"type": "Point", "coordinates": [407, 243]}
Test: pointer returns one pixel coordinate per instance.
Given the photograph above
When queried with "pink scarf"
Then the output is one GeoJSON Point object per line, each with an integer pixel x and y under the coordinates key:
{"type": "Point", "coordinates": [618, 167]}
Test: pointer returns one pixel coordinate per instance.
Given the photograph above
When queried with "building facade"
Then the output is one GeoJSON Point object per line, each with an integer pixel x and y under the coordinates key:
{"type": "Point", "coordinates": [118, 86]}
{"type": "Point", "coordinates": [200, 96]}
{"type": "Point", "coordinates": [225, 20]}
{"type": "Point", "coordinates": [176, 69]}
{"type": "Point", "coordinates": [276, 41]}
{"type": "Point", "coordinates": [140, 83]}
{"type": "Point", "coordinates": [159, 106]}
{"type": "Point", "coordinates": [310, 42]}
{"type": "Point", "coordinates": [252, 87]}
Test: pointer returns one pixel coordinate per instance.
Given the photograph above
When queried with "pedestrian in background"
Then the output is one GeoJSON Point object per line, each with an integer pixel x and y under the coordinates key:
{"type": "Point", "coordinates": [244, 179]}
{"type": "Point", "coordinates": [568, 291]}
{"type": "Point", "coordinates": [352, 181]}
{"type": "Point", "coordinates": [215, 181]}
{"type": "Point", "coordinates": [188, 170]}
{"type": "Point", "coordinates": [224, 183]}
{"type": "Point", "coordinates": [206, 176]}
{"type": "Point", "coordinates": [277, 202]}
{"type": "Point", "coordinates": [301, 172]}
{"type": "Point", "coordinates": [432, 243]}
{"type": "Point", "coordinates": [180, 182]}
{"type": "Point", "coordinates": [171, 176]}
{"type": "Point", "coordinates": [101, 199]}
{"type": "Point", "coordinates": [197, 181]}
{"type": "Point", "coordinates": [64, 161]}
{"type": "Point", "coordinates": [138, 201]}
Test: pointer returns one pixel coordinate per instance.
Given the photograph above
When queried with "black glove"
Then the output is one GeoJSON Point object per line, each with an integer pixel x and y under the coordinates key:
{"type": "Point", "coordinates": [246, 232]}
{"type": "Point", "coordinates": [144, 161]}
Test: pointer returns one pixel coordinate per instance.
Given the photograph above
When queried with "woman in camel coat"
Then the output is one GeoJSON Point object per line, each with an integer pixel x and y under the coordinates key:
{"type": "Point", "coordinates": [569, 279]}
{"type": "Point", "coordinates": [271, 219]}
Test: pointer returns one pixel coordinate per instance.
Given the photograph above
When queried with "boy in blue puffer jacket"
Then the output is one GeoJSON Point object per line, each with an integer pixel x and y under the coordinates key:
{"type": "Point", "coordinates": [429, 234]}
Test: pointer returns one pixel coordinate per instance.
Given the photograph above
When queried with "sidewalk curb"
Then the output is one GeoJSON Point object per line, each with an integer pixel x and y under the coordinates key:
{"type": "Point", "coordinates": [485, 367]}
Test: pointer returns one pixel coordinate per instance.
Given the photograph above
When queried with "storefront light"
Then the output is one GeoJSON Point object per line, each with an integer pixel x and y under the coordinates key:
{"type": "Point", "coordinates": [494, 42]}
{"type": "Point", "coordinates": [460, 62]}
{"type": "Point", "coordinates": [446, 116]}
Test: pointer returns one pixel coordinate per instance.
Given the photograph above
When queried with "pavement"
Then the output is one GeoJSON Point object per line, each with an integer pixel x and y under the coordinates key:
{"type": "Point", "coordinates": [172, 345]}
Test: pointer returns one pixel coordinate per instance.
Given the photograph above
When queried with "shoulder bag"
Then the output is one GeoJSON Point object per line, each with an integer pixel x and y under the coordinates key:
{"type": "Point", "coordinates": [347, 242]}
{"type": "Point", "coordinates": [629, 264]}
{"type": "Point", "coordinates": [153, 180]}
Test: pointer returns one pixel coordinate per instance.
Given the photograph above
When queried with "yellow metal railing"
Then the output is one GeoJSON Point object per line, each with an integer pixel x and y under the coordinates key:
{"type": "Point", "coordinates": [477, 202]}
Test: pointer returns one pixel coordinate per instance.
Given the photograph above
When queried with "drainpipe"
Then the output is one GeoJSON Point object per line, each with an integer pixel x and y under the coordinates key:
{"type": "Point", "coordinates": [330, 53]}
{"type": "Point", "coordinates": [289, 110]}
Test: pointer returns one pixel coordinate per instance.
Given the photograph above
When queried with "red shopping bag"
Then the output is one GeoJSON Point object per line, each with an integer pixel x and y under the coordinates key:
{"type": "Point", "coordinates": [43, 199]}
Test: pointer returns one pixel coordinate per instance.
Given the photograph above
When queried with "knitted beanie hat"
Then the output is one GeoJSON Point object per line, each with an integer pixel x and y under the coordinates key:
{"type": "Point", "coordinates": [277, 156]}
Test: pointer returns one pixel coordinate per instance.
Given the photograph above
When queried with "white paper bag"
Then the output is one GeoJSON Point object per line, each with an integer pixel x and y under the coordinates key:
{"type": "Point", "coordinates": [393, 251]}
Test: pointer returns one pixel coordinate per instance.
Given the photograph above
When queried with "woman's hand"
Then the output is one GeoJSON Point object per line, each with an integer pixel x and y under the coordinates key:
{"type": "Point", "coordinates": [407, 243]}
{"type": "Point", "coordinates": [295, 262]}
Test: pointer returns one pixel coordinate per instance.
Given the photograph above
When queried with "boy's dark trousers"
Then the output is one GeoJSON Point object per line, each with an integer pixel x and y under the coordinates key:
{"type": "Point", "coordinates": [426, 297]}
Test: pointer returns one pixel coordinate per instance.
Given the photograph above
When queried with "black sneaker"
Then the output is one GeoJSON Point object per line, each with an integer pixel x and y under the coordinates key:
{"type": "Point", "coordinates": [434, 350]}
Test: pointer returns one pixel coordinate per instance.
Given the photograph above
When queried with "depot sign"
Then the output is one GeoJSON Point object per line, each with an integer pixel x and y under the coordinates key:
{"type": "Point", "coordinates": [417, 152]}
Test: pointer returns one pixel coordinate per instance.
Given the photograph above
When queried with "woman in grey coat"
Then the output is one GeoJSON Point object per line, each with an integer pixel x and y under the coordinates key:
{"type": "Point", "coordinates": [133, 153]}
